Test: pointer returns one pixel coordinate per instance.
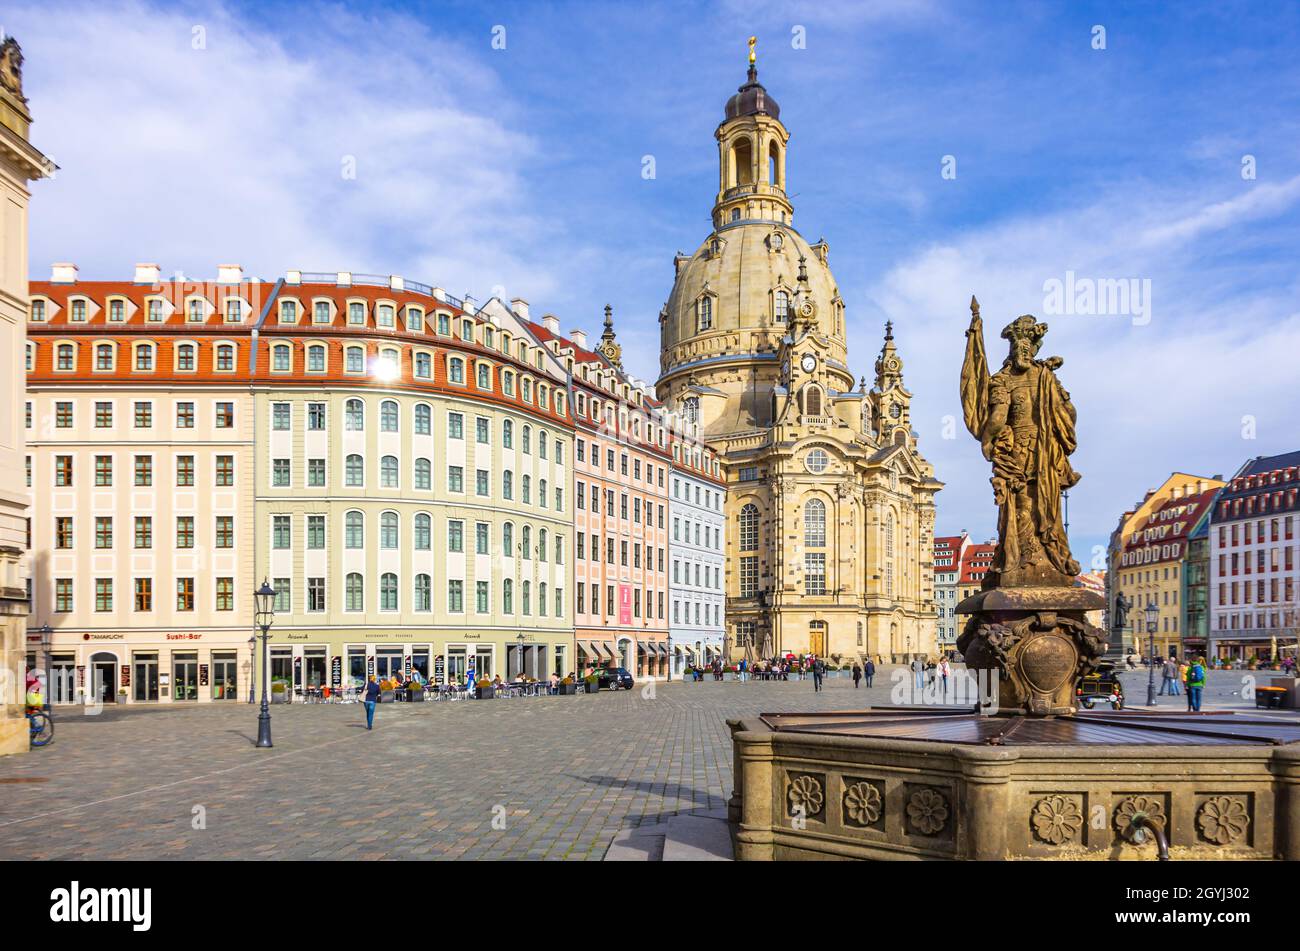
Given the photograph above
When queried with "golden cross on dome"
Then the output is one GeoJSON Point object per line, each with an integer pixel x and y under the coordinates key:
{"type": "Point", "coordinates": [752, 57]}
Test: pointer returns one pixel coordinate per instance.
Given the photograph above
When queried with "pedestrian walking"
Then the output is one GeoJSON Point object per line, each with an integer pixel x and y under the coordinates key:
{"type": "Point", "coordinates": [857, 675]}
{"type": "Point", "coordinates": [870, 671]}
{"type": "Point", "coordinates": [943, 674]}
{"type": "Point", "coordinates": [818, 671]}
{"type": "Point", "coordinates": [371, 698]}
{"type": "Point", "coordinates": [1195, 684]}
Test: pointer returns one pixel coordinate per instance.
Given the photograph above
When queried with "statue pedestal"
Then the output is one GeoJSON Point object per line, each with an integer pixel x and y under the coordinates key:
{"type": "Point", "coordinates": [1037, 642]}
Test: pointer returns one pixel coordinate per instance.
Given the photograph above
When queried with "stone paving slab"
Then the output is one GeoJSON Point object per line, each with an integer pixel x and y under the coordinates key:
{"type": "Point", "coordinates": [553, 778]}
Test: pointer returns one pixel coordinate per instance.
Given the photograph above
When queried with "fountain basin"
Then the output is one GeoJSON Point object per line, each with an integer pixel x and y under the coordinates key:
{"type": "Point", "coordinates": [951, 784]}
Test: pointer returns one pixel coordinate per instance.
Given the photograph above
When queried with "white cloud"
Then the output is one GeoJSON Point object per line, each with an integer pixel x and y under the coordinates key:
{"type": "Point", "coordinates": [1151, 399]}
{"type": "Point", "coordinates": [236, 151]}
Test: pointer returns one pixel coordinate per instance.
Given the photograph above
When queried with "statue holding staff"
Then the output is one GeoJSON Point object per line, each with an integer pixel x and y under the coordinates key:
{"type": "Point", "coordinates": [1024, 421]}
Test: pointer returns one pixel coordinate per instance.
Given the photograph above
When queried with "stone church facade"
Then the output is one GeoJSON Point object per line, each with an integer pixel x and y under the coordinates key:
{"type": "Point", "coordinates": [829, 501]}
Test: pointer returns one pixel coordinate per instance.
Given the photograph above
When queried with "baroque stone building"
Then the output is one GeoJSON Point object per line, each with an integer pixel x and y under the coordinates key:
{"type": "Point", "coordinates": [20, 163]}
{"type": "Point", "coordinates": [830, 503]}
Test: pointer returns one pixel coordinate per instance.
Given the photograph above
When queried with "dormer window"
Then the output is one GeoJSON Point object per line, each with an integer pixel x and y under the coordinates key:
{"type": "Point", "coordinates": [456, 370]}
{"type": "Point", "coordinates": [154, 311]}
{"type": "Point", "coordinates": [288, 311]}
{"type": "Point", "coordinates": [78, 311]}
{"type": "Point", "coordinates": [38, 311]}
{"type": "Point", "coordinates": [444, 325]}
{"type": "Point", "coordinates": [234, 310]}
{"type": "Point", "coordinates": [117, 311]}
{"type": "Point", "coordinates": [316, 358]}
{"type": "Point", "coordinates": [484, 376]}
{"type": "Point", "coordinates": [423, 366]}
{"type": "Point", "coordinates": [507, 382]}
{"type": "Point", "coordinates": [414, 319]}
{"type": "Point", "coordinates": [781, 306]}
{"type": "Point", "coordinates": [704, 313]}
{"type": "Point", "coordinates": [356, 314]}
{"type": "Point", "coordinates": [487, 336]}
{"type": "Point", "coordinates": [385, 316]}
{"type": "Point", "coordinates": [194, 311]}
{"type": "Point", "coordinates": [467, 331]}
{"type": "Point", "coordinates": [320, 312]}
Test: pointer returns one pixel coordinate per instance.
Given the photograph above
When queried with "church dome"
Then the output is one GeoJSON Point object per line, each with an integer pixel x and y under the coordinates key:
{"type": "Point", "coordinates": [752, 99]}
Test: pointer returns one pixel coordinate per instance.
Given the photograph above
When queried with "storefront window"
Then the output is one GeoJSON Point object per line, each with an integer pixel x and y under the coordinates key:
{"type": "Point", "coordinates": [314, 667]}
{"type": "Point", "coordinates": [356, 666]}
{"type": "Point", "coordinates": [225, 681]}
{"type": "Point", "coordinates": [457, 665]}
{"type": "Point", "coordinates": [144, 676]}
{"type": "Point", "coordinates": [185, 676]}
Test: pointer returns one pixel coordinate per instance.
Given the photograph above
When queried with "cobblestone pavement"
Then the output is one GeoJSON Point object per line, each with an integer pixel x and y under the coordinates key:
{"type": "Point", "coordinates": [559, 775]}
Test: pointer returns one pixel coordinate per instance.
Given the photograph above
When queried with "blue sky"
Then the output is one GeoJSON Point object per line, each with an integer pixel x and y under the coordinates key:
{"type": "Point", "coordinates": [519, 170]}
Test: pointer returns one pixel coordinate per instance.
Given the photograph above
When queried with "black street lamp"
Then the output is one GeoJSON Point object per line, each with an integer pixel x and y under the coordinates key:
{"type": "Point", "coordinates": [519, 654]}
{"type": "Point", "coordinates": [252, 669]}
{"type": "Point", "coordinates": [1153, 616]}
{"type": "Point", "coordinates": [264, 600]}
{"type": "Point", "coordinates": [47, 644]}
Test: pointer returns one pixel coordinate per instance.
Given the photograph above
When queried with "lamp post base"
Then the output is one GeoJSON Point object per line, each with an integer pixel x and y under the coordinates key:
{"type": "Point", "coordinates": [264, 727]}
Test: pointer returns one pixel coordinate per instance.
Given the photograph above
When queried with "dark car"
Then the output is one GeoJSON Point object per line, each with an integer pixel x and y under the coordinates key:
{"type": "Point", "coordinates": [612, 678]}
{"type": "Point", "coordinates": [1102, 685]}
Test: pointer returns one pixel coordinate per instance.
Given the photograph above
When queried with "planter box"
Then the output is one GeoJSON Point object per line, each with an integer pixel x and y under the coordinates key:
{"type": "Point", "coordinates": [386, 696]}
{"type": "Point", "coordinates": [593, 687]}
{"type": "Point", "coordinates": [415, 695]}
{"type": "Point", "coordinates": [485, 693]}
{"type": "Point", "coordinates": [568, 690]}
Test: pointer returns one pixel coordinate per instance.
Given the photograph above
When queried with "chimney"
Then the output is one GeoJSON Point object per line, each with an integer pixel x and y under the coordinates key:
{"type": "Point", "coordinates": [147, 273]}
{"type": "Point", "coordinates": [579, 337]}
{"type": "Point", "coordinates": [343, 278]}
{"type": "Point", "coordinates": [471, 305]}
{"type": "Point", "coordinates": [1176, 492]}
{"type": "Point", "coordinates": [229, 273]}
{"type": "Point", "coordinates": [551, 323]}
{"type": "Point", "coordinates": [63, 274]}
{"type": "Point", "coordinates": [293, 277]}
{"type": "Point", "coordinates": [396, 282]}
{"type": "Point", "coordinates": [1200, 486]}
{"type": "Point", "coordinates": [519, 306]}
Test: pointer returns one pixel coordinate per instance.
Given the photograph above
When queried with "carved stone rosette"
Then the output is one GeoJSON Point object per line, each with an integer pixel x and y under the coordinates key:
{"type": "Point", "coordinates": [1223, 820]}
{"type": "Point", "coordinates": [1057, 819]}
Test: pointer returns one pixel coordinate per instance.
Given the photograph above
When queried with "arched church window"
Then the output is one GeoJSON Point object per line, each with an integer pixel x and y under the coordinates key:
{"type": "Point", "coordinates": [812, 401]}
{"type": "Point", "coordinates": [749, 527]}
{"type": "Point", "coordinates": [814, 524]}
{"type": "Point", "coordinates": [692, 407]}
{"type": "Point", "coordinates": [735, 214]}
{"type": "Point", "coordinates": [817, 461]}
{"type": "Point", "coordinates": [705, 307]}
{"type": "Point", "coordinates": [781, 303]}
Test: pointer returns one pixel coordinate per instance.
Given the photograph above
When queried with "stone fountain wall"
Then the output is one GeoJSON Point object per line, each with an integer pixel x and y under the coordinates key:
{"type": "Point", "coordinates": [815, 796]}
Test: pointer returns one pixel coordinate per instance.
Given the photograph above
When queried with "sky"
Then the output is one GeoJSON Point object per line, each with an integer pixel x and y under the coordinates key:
{"type": "Point", "coordinates": [943, 149]}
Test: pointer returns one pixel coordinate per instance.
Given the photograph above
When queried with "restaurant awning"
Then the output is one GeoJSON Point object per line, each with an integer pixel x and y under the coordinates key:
{"type": "Point", "coordinates": [662, 648]}
{"type": "Point", "coordinates": [604, 647]}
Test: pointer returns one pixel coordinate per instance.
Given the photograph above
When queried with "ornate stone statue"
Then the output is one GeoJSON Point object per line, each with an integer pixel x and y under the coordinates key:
{"type": "Point", "coordinates": [1024, 421]}
{"type": "Point", "coordinates": [11, 67]}
{"type": "Point", "coordinates": [1028, 624]}
{"type": "Point", "coordinates": [1122, 606]}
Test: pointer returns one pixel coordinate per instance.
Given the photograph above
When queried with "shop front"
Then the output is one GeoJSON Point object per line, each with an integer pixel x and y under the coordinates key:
{"type": "Point", "coordinates": [143, 667]}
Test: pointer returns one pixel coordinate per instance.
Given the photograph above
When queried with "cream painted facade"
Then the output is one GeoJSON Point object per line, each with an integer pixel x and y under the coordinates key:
{"type": "Point", "coordinates": [20, 163]}
{"type": "Point", "coordinates": [399, 566]}
{"type": "Point", "coordinates": [830, 504]}
{"type": "Point", "coordinates": [406, 525]}
{"type": "Point", "coordinates": [142, 565]}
